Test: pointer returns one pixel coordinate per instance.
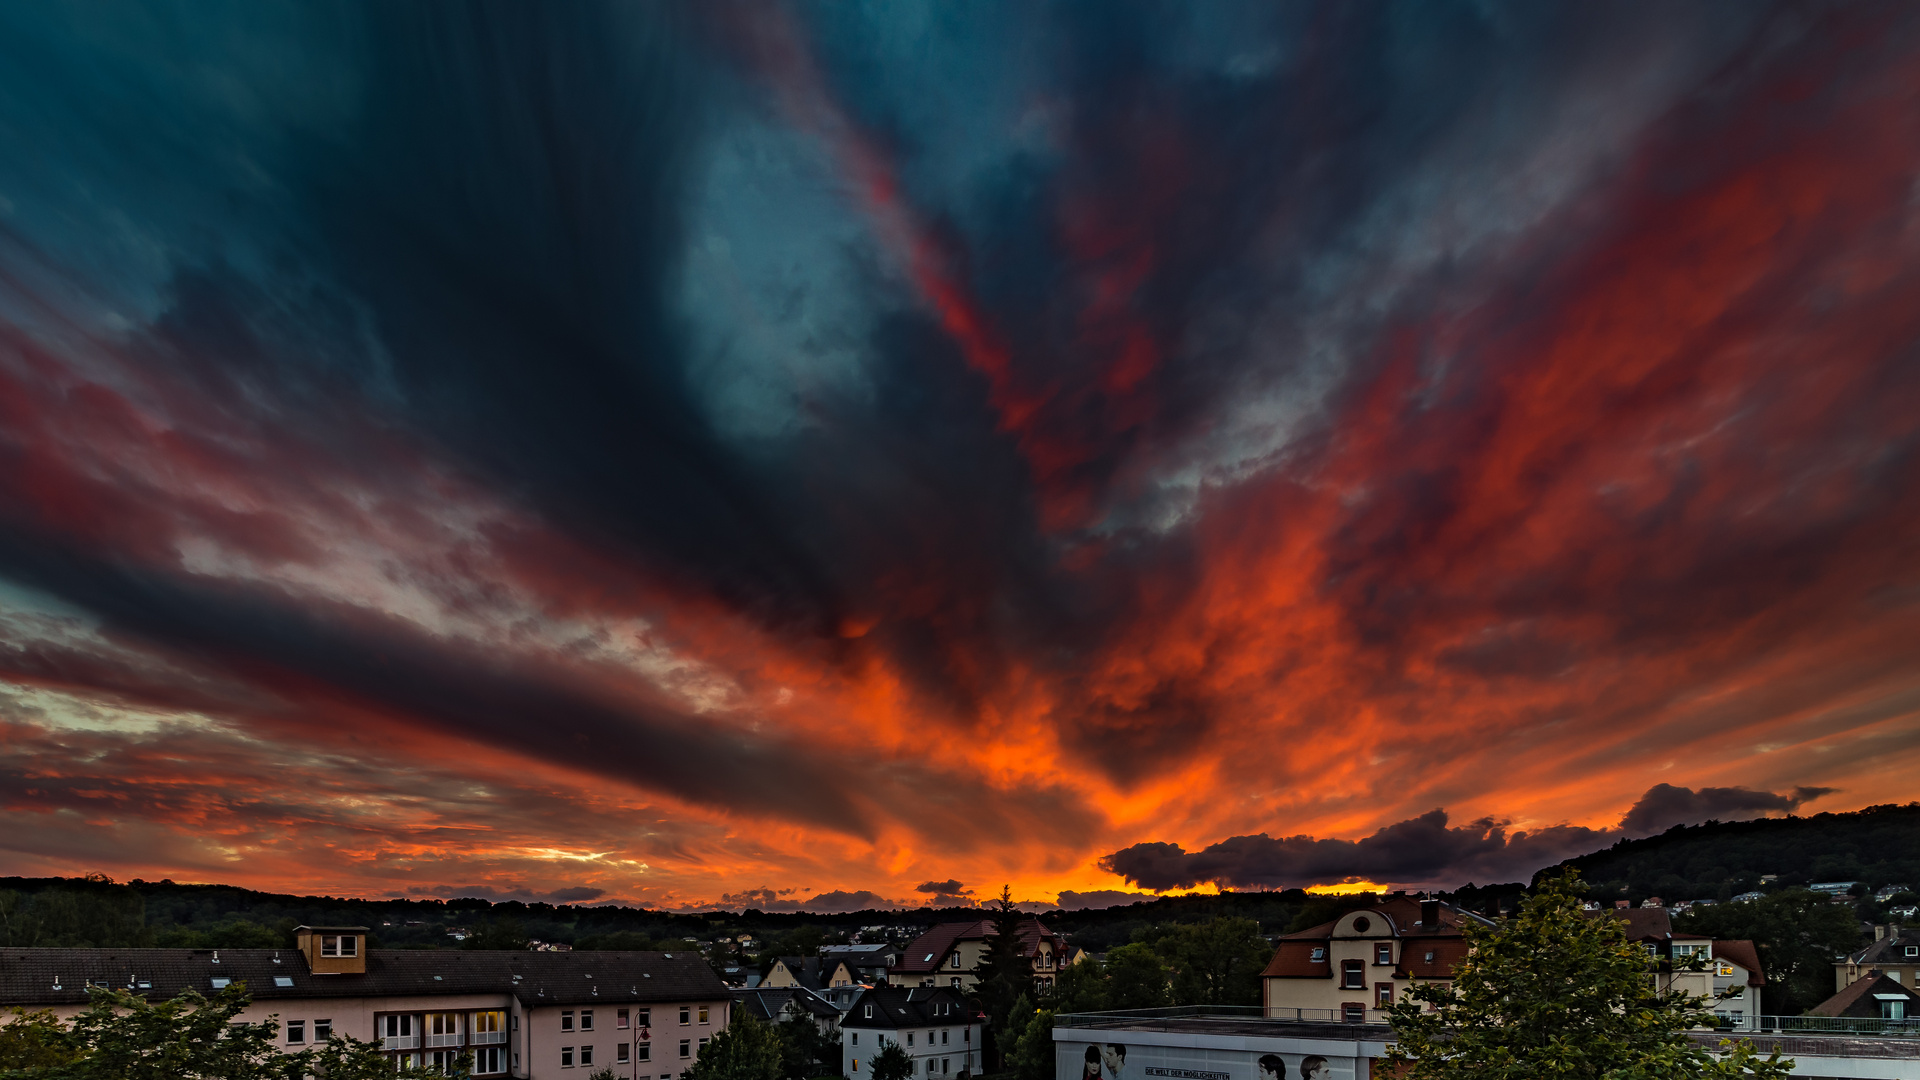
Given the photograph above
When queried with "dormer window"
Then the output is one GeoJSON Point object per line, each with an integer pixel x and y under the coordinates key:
{"type": "Point", "coordinates": [1319, 954]}
{"type": "Point", "coordinates": [1913, 950]}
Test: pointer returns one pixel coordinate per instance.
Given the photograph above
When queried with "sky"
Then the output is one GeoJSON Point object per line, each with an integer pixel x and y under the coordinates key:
{"type": "Point", "coordinates": [817, 456]}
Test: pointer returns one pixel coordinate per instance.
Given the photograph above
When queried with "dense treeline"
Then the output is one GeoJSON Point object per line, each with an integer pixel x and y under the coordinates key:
{"type": "Point", "coordinates": [1719, 860]}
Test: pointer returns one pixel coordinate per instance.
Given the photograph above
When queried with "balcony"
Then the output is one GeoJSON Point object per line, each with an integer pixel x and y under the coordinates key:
{"type": "Point", "coordinates": [444, 1040]}
{"type": "Point", "coordinates": [484, 1038]}
{"type": "Point", "coordinates": [400, 1042]}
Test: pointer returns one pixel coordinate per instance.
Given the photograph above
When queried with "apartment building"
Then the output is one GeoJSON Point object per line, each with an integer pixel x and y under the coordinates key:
{"type": "Point", "coordinates": [936, 1027]}
{"type": "Point", "coordinates": [1352, 968]}
{"type": "Point", "coordinates": [525, 1015]}
{"type": "Point", "coordinates": [950, 955]}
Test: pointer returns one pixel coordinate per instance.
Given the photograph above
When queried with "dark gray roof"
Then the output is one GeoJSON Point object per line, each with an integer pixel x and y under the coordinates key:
{"type": "Point", "coordinates": [766, 1004]}
{"type": "Point", "coordinates": [1891, 949]}
{"type": "Point", "coordinates": [908, 1006]}
{"type": "Point", "coordinates": [61, 976]}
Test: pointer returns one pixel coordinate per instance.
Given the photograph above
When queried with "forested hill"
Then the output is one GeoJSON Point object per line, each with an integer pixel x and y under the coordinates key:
{"type": "Point", "coordinates": [1879, 845]}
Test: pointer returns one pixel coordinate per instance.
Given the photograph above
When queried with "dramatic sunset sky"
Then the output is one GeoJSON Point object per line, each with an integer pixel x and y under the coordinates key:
{"type": "Point", "coordinates": [788, 454]}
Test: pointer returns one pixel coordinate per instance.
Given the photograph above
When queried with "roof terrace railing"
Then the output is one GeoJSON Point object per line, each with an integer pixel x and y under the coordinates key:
{"type": "Point", "coordinates": [1838, 1025]}
{"type": "Point", "coordinates": [1173, 1014]}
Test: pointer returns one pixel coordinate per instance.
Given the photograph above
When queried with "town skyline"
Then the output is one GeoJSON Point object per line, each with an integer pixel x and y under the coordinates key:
{"type": "Point", "coordinates": [766, 454]}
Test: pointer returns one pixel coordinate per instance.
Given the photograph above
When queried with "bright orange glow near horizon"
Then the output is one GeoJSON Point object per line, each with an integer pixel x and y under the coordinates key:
{"type": "Point", "coordinates": [822, 460]}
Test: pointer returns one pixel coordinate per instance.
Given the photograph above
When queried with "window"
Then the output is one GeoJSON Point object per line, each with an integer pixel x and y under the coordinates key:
{"type": "Point", "coordinates": [1383, 953]}
{"type": "Point", "coordinates": [296, 1031]}
{"type": "Point", "coordinates": [645, 1051]}
{"type": "Point", "coordinates": [284, 982]}
{"type": "Point", "coordinates": [322, 1030]}
{"type": "Point", "coordinates": [955, 962]}
{"type": "Point", "coordinates": [399, 1025]}
{"type": "Point", "coordinates": [703, 1014]}
{"type": "Point", "coordinates": [1353, 975]}
{"type": "Point", "coordinates": [856, 1064]}
{"type": "Point", "coordinates": [1725, 970]}
{"type": "Point", "coordinates": [1354, 1012]}
{"type": "Point", "coordinates": [620, 1053]}
{"type": "Point", "coordinates": [1429, 956]}
{"type": "Point", "coordinates": [1913, 950]}
{"type": "Point", "coordinates": [566, 1019]}
{"type": "Point", "coordinates": [586, 1055]}
{"type": "Point", "coordinates": [869, 1012]}
{"type": "Point", "coordinates": [486, 1026]}
{"type": "Point", "coordinates": [488, 1060]}
{"type": "Point", "coordinates": [856, 1035]}
{"type": "Point", "coordinates": [954, 982]}
{"type": "Point", "coordinates": [1382, 995]}
{"type": "Point", "coordinates": [685, 1015]}
{"type": "Point", "coordinates": [1893, 1010]}
{"type": "Point", "coordinates": [1319, 954]}
{"type": "Point", "coordinates": [643, 1017]}
{"type": "Point", "coordinates": [703, 1044]}
{"type": "Point", "coordinates": [339, 945]}
{"type": "Point", "coordinates": [686, 1048]}
{"type": "Point", "coordinates": [566, 1057]}
{"type": "Point", "coordinates": [586, 1019]}
{"type": "Point", "coordinates": [909, 1038]}
{"type": "Point", "coordinates": [620, 1019]}
{"type": "Point", "coordinates": [943, 1037]}
{"type": "Point", "coordinates": [221, 982]}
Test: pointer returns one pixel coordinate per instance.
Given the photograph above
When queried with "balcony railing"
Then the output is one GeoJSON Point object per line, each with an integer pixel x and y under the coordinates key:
{"type": "Point", "coordinates": [451, 1039]}
{"type": "Point", "coordinates": [400, 1042]}
{"type": "Point", "coordinates": [1191, 1013]}
{"type": "Point", "coordinates": [483, 1038]}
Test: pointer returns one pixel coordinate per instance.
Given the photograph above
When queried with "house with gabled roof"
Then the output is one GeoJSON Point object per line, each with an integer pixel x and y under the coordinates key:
{"type": "Point", "coordinates": [951, 954]}
{"type": "Point", "coordinates": [1873, 996]}
{"type": "Point", "coordinates": [936, 1027]}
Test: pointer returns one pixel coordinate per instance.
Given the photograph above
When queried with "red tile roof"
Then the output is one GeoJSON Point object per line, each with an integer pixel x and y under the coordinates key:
{"type": "Point", "coordinates": [926, 952]}
{"type": "Point", "coordinates": [1742, 952]}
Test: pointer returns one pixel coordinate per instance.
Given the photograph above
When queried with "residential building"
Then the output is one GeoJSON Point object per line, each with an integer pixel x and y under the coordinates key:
{"type": "Point", "coordinates": [1873, 996]}
{"type": "Point", "coordinates": [936, 1027]}
{"type": "Point", "coordinates": [791, 1003]}
{"type": "Point", "coordinates": [869, 963]}
{"type": "Point", "coordinates": [529, 1015]}
{"type": "Point", "coordinates": [950, 954]}
{"type": "Point", "coordinates": [1895, 953]}
{"type": "Point", "coordinates": [1352, 968]}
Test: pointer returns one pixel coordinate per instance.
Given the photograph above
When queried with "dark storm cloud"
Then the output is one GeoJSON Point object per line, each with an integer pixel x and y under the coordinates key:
{"type": "Point", "coordinates": [949, 887]}
{"type": "Point", "coordinates": [1665, 805]}
{"type": "Point", "coordinates": [1425, 849]}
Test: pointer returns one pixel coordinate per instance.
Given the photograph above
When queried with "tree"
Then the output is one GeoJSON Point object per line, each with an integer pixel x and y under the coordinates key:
{"type": "Point", "coordinates": [892, 1063]}
{"type": "Point", "coordinates": [1006, 975]}
{"type": "Point", "coordinates": [746, 1049]}
{"type": "Point", "coordinates": [498, 932]}
{"type": "Point", "coordinates": [805, 1050]}
{"type": "Point", "coordinates": [1217, 962]}
{"type": "Point", "coordinates": [343, 1057]}
{"type": "Point", "coordinates": [1080, 987]}
{"type": "Point", "coordinates": [1031, 1056]}
{"type": "Point", "coordinates": [1555, 992]}
{"type": "Point", "coordinates": [1137, 978]}
{"type": "Point", "coordinates": [35, 1040]}
{"type": "Point", "coordinates": [1798, 933]}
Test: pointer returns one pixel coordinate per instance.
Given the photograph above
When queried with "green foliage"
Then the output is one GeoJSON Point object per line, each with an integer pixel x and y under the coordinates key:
{"type": "Point", "coordinates": [1137, 978]}
{"type": "Point", "coordinates": [35, 1040]}
{"type": "Point", "coordinates": [1213, 963]}
{"type": "Point", "coordinates": [497, 932]}
{"type": "Point", "coordinates": [806, 1051]}
{"type": "Point", "coordinates": [892, 1063]}
{"type": "Point", "coordinates": [1031, 1056]}
{"type": "Point", "coordinates": [1879, 845]}
{"type": "Point", "coordinates": [1080, 987]}
{"type": "Point", "coordinates": [1798, 934]}
{"type": "Point", "coordinates": [626, 941]}
{"type": "Point", "coordinates": [191, 1037]}
{"type": "Point", "coordinates": [92, 912]}
{"type": "Point", "coordinates": [1554, 992]}
{"type": "Point", "coordinates": [604, 1074]}
{"type": "Point", "coordinates": [1324, 908]}
{"type": "Point", "coordinates": [746, 1049]}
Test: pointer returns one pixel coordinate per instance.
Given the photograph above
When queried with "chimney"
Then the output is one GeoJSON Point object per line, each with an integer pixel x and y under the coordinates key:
{"type": "Point", "coordinates": [1430, 914]}
{"type": "Point", "coordinates": [1880, 932]}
